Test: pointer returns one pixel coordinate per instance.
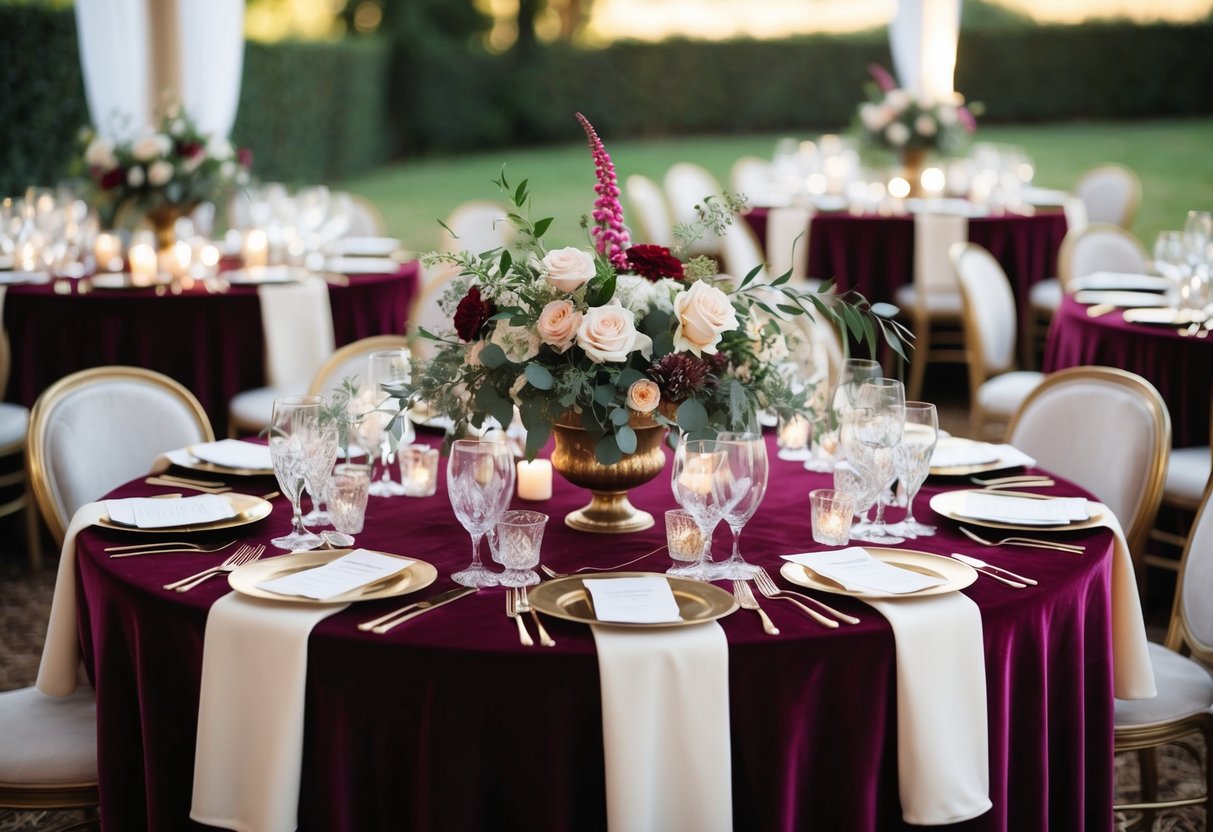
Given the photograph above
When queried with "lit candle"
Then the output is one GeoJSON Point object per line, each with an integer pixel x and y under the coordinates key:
{"type": "Point", "coordinates": [794, 435]}
{"type": "Point", "coordinates": [697, 473]}
{"type": "Point", "coordinates": [182, 254]}
{"type": "Point", "coordinates": [419, 470]}
{"type": "Point", "coordinates": [831, 512]}
{"type": "Point", "coordinates": [143, 264]}
{"type": "Point", "coordinates": [535, 479]}
{"type": "Point", "coordinates": [256, 248]}
{"type": "Point", "coordinates": [108, 252]}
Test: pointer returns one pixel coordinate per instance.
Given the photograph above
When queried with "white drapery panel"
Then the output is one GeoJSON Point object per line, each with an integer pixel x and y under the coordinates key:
{"type": "Point", "coordinates": [923, 36]}
{"type": "Point", "coordinates": [136, 54]}
{"type": "Point", "coordinates": [116, 68]}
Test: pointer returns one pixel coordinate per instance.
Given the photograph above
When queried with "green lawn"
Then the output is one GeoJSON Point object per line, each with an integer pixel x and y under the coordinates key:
{"type": "Point", "coordinates": [1172, 158]}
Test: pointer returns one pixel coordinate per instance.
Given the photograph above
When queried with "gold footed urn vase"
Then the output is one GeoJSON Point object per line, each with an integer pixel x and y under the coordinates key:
{"type": "Point", "coordinates": [912, 160]}
{"type": "Point", "coordinates": [609, 511]}
{"type": "Point", "coordinates": [163, 219]}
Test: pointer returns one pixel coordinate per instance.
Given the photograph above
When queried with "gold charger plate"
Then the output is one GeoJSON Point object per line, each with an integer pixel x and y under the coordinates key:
{"type": "Point", "coordinates": [946, 503]}
{"type": "Point", "coordinates": [957, 575]}
{"type": "Point", "coordinates": [197, 464]}
{"type": "Point", "coordinates": [244, 579]}
{"type": "Point", "coordinates": [568, 598]}
{"type": "Point", "coordinates": [249, 509]}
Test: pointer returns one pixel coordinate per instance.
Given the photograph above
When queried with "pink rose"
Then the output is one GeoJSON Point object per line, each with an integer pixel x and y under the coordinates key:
{"type": "Point", "coordinates": [704, 314]}
{"type": "Point", "coordinates": [558, 324]}
{"type": "Point", "coordinates": [568, 268]}
{"type": "Point", "coordinates": [644, 396]}
{"type": "Point", "coordinates": [608, 333]}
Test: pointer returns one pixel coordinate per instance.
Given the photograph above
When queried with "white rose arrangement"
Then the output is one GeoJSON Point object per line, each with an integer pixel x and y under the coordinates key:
{"type": "Point", "coordinates": [893, 119]}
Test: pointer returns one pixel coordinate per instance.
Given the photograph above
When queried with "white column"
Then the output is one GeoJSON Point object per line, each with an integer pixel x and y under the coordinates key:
{"type": "Point", "coordinates": [114, 59]}
{"type": "Point", "coordinates": [923, 36]}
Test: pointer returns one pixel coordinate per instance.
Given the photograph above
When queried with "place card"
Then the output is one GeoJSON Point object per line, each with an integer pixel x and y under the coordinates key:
{"type": "Point", "coordinates": [233, 453]}
{"type": "Point", "coordinates": [1035, 511]}
{"type": "Point", "coordinates": [855, 569]}
{"type": "Point", "coordinates": [633, 600]}
{"type": "Point", "coordinates": [337, 577]}
{"type": "Point", "coordinates": [153, 513]}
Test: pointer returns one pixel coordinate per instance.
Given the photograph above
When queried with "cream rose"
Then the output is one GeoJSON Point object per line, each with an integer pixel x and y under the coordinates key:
{"type": "Point", "coordinates": [924, 125]}
{"type": "Point", "coordinates": [704, 314]}
{"type": "Point", "coordinates": [568, 268]}
{"type": "Point", "coordinates": [159, 173]}
{"type": "Point", "coordinates": [100, 154]}
{"type": "Point", "coordinates": [135, 176]}
{"type": "Point", "coordinates": [608, 333]}
{"type": "Point", "coordinates": [558, 324]}
{"type": "Point", "coordinates": [644, 396]}
{"type": "Point", "coordinates": [147, 148]}
{"type": "Point", "coordinates": [897, 134]}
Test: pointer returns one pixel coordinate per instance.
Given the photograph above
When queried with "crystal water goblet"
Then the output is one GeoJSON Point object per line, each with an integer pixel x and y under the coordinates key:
{"type": "Point", "coordinates": [479, 481]}
{"type": "Point", "coordinates": [878, 419]}
{"type": "Point", "coordinates": [387, 367]}
{"type": "Point", "coordinates": [747, 461]}
{"type": "Point", "coordinates": [294, 423]}
{"type": "Point", "coordinates": [855, 371]}
{"type": "Point", "coordinates": [704, 486]}
{"type": "Point", "coordinates": [912, 462]}
{"type": "Point", "coordinates": [322, 454]}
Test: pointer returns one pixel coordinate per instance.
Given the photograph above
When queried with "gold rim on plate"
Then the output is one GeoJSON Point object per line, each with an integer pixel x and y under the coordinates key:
{"type": "Point", "coordinates": [249, 509]}
{"type": "Point", "coordinates": [197, 463]}
{"type": "Point", "coordinates": [957, 575]}
{"type": "Point", "coordinates": [971, 468]}
{"type": "Point", "coordinates": [946, 502]}
{"type": "Point", "coordinates": [568, 598]}
{"type": "Point", "coordinates": [244, 579]}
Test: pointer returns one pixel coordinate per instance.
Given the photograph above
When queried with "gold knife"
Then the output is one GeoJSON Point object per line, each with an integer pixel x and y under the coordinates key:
{"type": "Point", "coordinates": [386, 622]}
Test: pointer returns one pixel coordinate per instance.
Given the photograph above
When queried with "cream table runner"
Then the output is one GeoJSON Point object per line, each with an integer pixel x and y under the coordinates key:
{"type": "Point", "coordinates": [1132, 672]}
{"type": "Point", "coordinates": [665, 728]}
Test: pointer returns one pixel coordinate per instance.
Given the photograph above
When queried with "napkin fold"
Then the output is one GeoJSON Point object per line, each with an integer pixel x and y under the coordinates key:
{"type": "Point", "coordinates": [665, 727]}
{"type": "Point", "coordinates": [250, 713]}
{"type": "Point", "coordinates": [1132, 671]}
{"type": "Point", "coordinates": [943, 756]}
{"type": "Point", "coordinates": [57, 673]}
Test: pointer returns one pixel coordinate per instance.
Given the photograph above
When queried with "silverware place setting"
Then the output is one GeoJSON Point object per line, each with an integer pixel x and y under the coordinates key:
{"type": "Point", "coordinates": [396, 617]}
{"type": "Point", "coordinates": [137, 549]}
{"type": "Point", "coordinates": [511, 610]}
{"type": "Point", "coordinates": [1032, 542]}
{"type": "Point", "coordinates": [990, 571]}
{"type": "Point", "coordinates": [245, 554]}
{"type": "Point", "coordinates": [769, 589]}
{"type": "Point", "coordinates": [745, 597]}
{"type": "Point", "coordinates": [523, 605]}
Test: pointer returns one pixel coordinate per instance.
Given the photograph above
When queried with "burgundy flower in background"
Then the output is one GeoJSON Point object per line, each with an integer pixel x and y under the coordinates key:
{"type": "Point", "coordinates": [681, 375]}
{"type": "Point", "coordinates": [112, 178]}
{"type": "Point", "coordinates": [189, 149]}
{"type": "Point", "coordinates": [610, 237]}
{"type": "Point", "coordinates": [472, 313]}
{"type": "Point", "coordinates": [654, 262]}
{"type": "Point", "coordinates": [244, 156]}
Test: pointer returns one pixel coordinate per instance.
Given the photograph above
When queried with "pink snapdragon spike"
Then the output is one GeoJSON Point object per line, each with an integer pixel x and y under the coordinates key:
{"type": "Point", "coordinates": [966, 119]}
{"type": "Point", "coordinates": [610, 237]}
{"type": "Point", "coordinates": [882, 77]}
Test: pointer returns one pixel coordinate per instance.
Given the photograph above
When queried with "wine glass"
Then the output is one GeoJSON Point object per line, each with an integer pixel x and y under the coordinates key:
{"type": "Point", "coordinates": [855, 371]}
{"type": "Point", "coordinates": [321, 450]}
{"type": "Point", "coordinates": [1169, 254]}
{"type": "Point", "coordinates": [389, 367]}
{"type": "Point", "coordinates": [912, 461]}
{"type": "Point", "coordinates": [878, 418]}
{"type": "Point", "coordinates": [704, 486]}
{"type": "Point", "coordinates": [479, 481]}
{"type": "Point", "coordinates": [747, 458]}
{"type": "Point", "coordinates": [294, 425]}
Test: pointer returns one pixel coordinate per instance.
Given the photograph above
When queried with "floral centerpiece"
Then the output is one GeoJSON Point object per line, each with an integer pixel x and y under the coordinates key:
{"type": "Point", "coordinates": [162, 174]}
{"type": "Point", "coordinates": [614, 339]}
{"type": "Point", "coordinates": [894, 119]}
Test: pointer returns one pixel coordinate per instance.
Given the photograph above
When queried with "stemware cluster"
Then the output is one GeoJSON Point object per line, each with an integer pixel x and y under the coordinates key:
{"type": "Point", "coordinates": [1186, 257]}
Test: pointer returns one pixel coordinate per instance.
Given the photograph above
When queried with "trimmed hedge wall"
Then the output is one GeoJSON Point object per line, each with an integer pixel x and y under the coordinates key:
{"type": "Point", "coordinates": [322, 111]}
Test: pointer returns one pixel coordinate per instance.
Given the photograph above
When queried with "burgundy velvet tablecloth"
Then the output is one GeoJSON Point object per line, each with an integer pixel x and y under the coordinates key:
{"type": "Point", "coordinates": [875, 255]}
{"type": "Point", "coordinates": [1180, 367]}
{"type": "Point", "coordinates": [212, 344]}
{"type": "Point", "coordinates": [447, 723]}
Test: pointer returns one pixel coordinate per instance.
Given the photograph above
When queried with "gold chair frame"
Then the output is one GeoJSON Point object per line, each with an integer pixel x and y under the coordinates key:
{"type": "Point", "coordinates": [18, 479]}
{"type": "Point", "coordinates": [365, 346]}
{"type": "Point", "coordinates": [44, 410]}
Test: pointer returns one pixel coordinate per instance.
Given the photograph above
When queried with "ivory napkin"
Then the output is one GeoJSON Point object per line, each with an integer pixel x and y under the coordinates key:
{"type": "Point", "coordinates": [943, 759]}
{"type": "Point", "coordinates": [1132, 672]}
{"type": "Point", "coordinates": [61, 652]}
{"type": "Point", "coordinates": [250, 713]}
{"type": "Point", "coordinates": [665, 727]}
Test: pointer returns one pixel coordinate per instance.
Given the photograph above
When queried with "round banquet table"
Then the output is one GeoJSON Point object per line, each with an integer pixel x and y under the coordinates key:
{"type": "Point", "coordinates": [446, 722]}
{"type": "Point", "coordinates": [211, 343]}
{"type": "Point", "coordinates": [1180, 367]}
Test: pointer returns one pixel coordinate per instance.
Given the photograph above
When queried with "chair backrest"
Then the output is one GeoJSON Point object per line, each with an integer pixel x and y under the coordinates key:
{"type": "Point", "coordinates": [1107, 430]}
{"type": "Point", "coordinates": [649, 214]}
{"type": "Point", "coordinates": [6, 353]}
{"type": "Point", "coordinates": [1111, 192]}
{"type": "Point", "coordinates": [989, 308]}
{"type": "Point", "coordinates": [934, 236]}
{"type": "Point", "coordinates": [96, 429]}
{"type": "Point", "coordinates": [787, 243]}
{"type": "Point", "coordinates": [350, 362]}
{"type": "Point", "coordinates": [365, 219]}
{"type": "Point", "coordinates": [1191, 627]}
{"type": "Point", "coordinates": [740, 251]}
{"type": "Point", "coordinates": [687, 185]}
{"type": "Point", "coordinates": [751, 176]}
{"type": "Point", "coordinates": [1099, 247]}
{"type": "Point", "coordinates": [298, 326]}
{"type": "Point", "coordinates": [427, 313]}
{"type": "Point", "coordinates": [479, 226]}
{"type": "Point", "coordinates": [816, 346]}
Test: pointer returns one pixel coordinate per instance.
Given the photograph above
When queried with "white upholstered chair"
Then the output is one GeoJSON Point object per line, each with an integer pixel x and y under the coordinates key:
{"type": "Point", "coordinates": [740, 251]}
{"type": "Point", "coordinates": [996, 389]}
{"type": "Point", "coordinates": [93, 430]}
{"type": "Point", "coordinates": [427, 313]}
{"type": "Point", "coordinates": [15, 494]}
{"type": "Point", "coordinates": [649, 214]}
{"type": "Point", "coordinates": [350, 362]}
{"type": "Point", "coordinates": [1111, 194]}
{"type": "Point", "coordinates": [1107, 430]}
{"type": "Point", "coordinates": [686, 186]}
{"type": "Point", "coordinates": [787, 245]}
{"type": "Point", "coordinates": [1184, 704]}
{"type": "Point", "coordinates": [478, 226]}
{"type": "Point", "coordinates": [365, 219]}
{"type": "Point", "coordinates": [933, 299]}
{"type": "Point", "coordinates": [751, 176]}
{"type": "Point", "coordinates": [1100, 247]}
{"type": "Point", "coordinates": [298, 326]}
{"type": "Point", "coordinates": [1189, 472]}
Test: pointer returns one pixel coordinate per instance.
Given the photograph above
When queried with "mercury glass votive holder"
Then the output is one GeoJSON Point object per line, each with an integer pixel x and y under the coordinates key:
{"type": "Point", "coordinates": [684, 541]}
{"type": "Point", "coordinates": [831, 512]}
{"type": "Point", "coordinates": [419, 470]}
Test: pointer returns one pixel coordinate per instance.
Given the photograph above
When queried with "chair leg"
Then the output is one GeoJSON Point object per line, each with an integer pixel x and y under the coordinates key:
{"type": "Point", "coordinates": [918, 364]}
{"type": "Point", "coordinates": [33, 533]}
{"type": "Point", "coordinates": [1147, 765]}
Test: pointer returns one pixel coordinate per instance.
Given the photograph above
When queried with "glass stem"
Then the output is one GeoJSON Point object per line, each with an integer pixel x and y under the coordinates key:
{"type": "Point", "coordinates": [476, 551]}
{"type": "Point", "coordinates": [910, 495]}
{"type": "Point", "coordinates": [383, 457]}
{"type": "Point", "coordinates": [736, 556]}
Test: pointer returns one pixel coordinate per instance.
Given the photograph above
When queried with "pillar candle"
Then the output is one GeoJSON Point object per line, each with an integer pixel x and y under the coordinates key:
{"type": "Point", "coordinates": [535, 480]}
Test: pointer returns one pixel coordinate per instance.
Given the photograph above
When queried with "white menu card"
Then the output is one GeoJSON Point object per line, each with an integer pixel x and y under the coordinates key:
{"type": "Point", "coordinates": [157, 513]}
{"type": "Point", "coordinates": [337, 577]}
{"type": "Point", "coordinates": [633, 600]}
{"type": "Point", "coordinates": [858, 571]}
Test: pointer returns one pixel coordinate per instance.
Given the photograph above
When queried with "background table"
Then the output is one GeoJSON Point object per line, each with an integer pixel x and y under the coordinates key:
{"type": "Point", "coordinates": [211, 343]}
{"type": "Point", "coordinates": [447, 723]}
{"type": "Point", "coordinates": [1181, 367]}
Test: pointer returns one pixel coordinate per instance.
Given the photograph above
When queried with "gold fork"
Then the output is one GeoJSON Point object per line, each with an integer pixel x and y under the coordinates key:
{"type": "Point", "coordinates": [511, 609]}
{"type": "Point", "coordinates": [245, 554]}
{"type": "Point", "coordinates": [769, 589]}
{"type": "Point", "coordinates": [1072, 548]}
{"type": "Point", "coordinates": [162, 548]}
{"type": "Point", "coordinates": [745, 597]}
{"type": "Point", "coordinates": [554, 574]}
{"type": "Point", "coordinates": [524, 605]}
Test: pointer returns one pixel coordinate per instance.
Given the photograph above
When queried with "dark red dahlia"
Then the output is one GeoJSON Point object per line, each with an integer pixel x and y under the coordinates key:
{"type": "Point", "coordinates": [112, 178]}
{"type": "Point", "coordinates": [471, 314]}
{"type": "Point", "coordinates": [189, 149]}
{"type": "Point", "coordinates": [245, 157]}
{"type": "Point", "coordinates": [654, 262]}
{"type": "Point", "coordinates": [680, 375]}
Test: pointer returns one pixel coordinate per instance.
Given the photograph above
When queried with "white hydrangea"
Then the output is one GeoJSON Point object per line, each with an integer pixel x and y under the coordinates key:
{"type": "Point", "coordinates": [638, 294]}
{"type": "Point", "coordinates": [134, 176]}
{"type": "Point", "coordinates": [664, 292]}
